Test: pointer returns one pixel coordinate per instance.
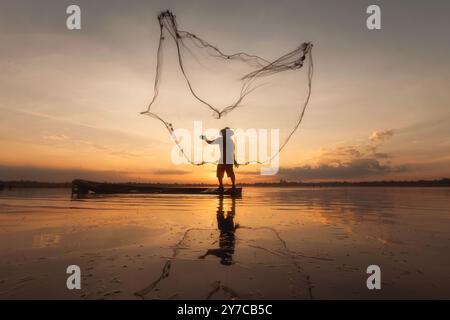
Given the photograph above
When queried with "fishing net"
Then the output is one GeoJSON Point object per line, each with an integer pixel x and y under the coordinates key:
{"type": "Point", "coordinates": [248, 93]}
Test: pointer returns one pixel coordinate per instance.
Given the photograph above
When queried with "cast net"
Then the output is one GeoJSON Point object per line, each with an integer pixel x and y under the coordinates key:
{"type": "Point", "coordinates": [205, 87]}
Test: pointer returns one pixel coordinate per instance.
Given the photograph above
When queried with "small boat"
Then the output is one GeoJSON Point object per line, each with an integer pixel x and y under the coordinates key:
{"type": "Point", "coordinates": [84, 187]}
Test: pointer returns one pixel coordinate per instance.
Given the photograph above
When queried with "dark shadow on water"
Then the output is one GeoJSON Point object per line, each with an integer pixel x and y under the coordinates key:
{"type": "Point", "coordinates": [227, 238]}
{"type": "Point", "coordinates": [227, 242]}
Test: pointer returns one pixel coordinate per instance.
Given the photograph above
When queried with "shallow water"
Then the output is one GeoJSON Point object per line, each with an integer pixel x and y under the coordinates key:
{"type": "Point", "coordinates": [281, 243]}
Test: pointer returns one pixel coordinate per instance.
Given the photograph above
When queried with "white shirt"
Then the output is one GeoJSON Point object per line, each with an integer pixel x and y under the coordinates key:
{"type": "Point", "coordinates": [229, 152]}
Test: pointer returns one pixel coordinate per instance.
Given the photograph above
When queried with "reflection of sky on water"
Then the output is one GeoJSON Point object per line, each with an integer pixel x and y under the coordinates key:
{"type": "Point", "coordinates": [46, 240]}
{"type": "Point", "coordinates": [333, 233]}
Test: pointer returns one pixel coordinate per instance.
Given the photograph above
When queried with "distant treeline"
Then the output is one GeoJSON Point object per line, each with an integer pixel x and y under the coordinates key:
{"type": "Point", "coordinates": [33, 184]}
{"type": "Point", "coordinates": [281, 183]}
{"type": "Point", "coordinates": [409, 183]}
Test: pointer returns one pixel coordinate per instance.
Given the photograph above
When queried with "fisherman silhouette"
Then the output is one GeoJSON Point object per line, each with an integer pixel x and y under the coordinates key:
{"type": "Point", "coordinates": [227, 158]}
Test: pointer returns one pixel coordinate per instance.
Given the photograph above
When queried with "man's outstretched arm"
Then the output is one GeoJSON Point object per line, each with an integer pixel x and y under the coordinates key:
{"type": "Point", "coordinates": [206, 140]}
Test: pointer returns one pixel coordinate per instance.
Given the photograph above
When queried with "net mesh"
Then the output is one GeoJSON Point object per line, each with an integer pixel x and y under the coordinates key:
{"type": "Point", "coordinates": [209, 85]}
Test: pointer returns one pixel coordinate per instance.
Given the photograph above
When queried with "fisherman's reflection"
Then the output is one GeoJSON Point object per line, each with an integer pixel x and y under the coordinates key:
{"type": "Point", "coordinates": [227, 239]}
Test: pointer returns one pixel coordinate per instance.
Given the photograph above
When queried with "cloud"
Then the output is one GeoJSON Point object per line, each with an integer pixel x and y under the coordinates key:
{"type": "Point", "coordinates": [376, 139]}
{"type": "Point", "coordinates": [367, 149]}
{"type": "Point", "coordinates": [171, 172]}
{"type": "Point", "coordinates": [353, 169]}
{"type": "Point", "coordinates": [68, 142]}
{"type": "Point", "coordinates": [59, 175]}
{"type": "Point", "coordinates": [45, 174]}
{"type": "Point", "coordinates": [339, 155]}
{"type": "Point", "coordinates": [357, 161]}
{"type": "Point", "coordinates": [107, 149]}
{"type": "Point", "coordinates": [380, 155]}
{"type": "Point", "coordinates": [381, 135]}
{"type": "Point", "coordinates": [56, 137]}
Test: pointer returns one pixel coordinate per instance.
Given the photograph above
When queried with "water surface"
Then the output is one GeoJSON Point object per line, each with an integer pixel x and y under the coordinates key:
{"type": "Point", "coordinates": [281, 243]}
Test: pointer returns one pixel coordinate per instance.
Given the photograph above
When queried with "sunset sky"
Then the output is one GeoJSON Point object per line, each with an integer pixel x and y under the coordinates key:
{"type": "Point", "coordinates": [70, 101]}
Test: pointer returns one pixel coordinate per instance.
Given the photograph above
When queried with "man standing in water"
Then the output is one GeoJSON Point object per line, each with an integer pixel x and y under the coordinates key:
{"type": "Point", "coordinates": [227, 158]}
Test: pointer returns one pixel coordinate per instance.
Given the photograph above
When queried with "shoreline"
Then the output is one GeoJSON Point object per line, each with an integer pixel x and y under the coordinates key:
{"type": "Point", "coordinates": [445, 182]}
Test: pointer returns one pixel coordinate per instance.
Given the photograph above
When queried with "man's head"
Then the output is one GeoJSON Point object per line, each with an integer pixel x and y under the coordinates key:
{"type": "Point", "coordinates": [226, 132]}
